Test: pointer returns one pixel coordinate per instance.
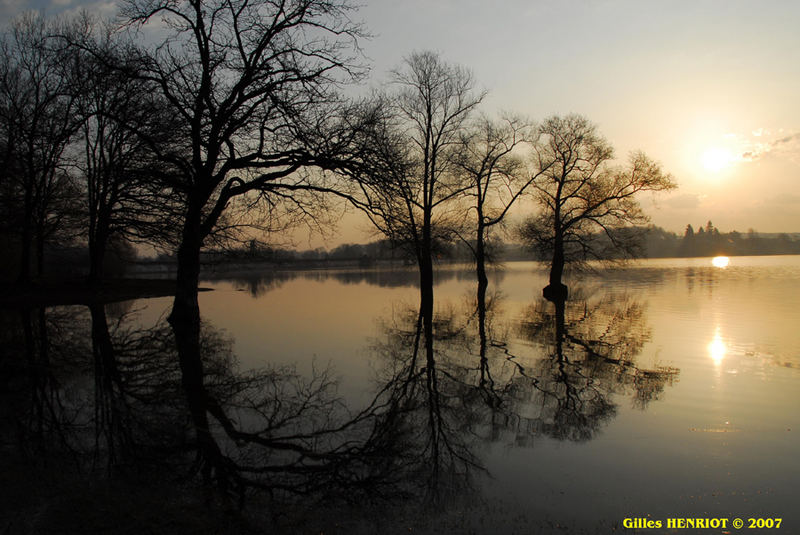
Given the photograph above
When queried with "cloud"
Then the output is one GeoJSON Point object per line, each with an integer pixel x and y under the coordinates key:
{"type": "Point", "coordinates": [101, 8]}
{"type": "Point", "coordinates": [787, 144]}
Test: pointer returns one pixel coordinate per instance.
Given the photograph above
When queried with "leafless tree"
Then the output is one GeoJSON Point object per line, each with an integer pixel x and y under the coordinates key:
{"type": "Point", "coordinates": [38, 111]}
{"type": "Point", "coordinates": [494, 172]}
{"type": "Point", "coordinates": [410, 195]}
{"type": "Point", "coordinates": [123, 118]}
{"type": "Point", "coordinates": [245, 80]}
{"type": "Point", "coordinates": [582, 195]}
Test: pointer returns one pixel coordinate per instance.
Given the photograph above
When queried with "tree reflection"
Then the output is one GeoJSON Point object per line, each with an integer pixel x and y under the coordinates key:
{"type": "Point", "coordinates": [38, 368]}
{"type": "Point", "coordinates": [111, 396]}
{"type": "Point", "coordinates": [495, 384]}
{"type": "Point", "coordinates": [426, 417]}
{"type": "Point", "coordinates": [592, 346]}
{"type": "Point", "coordinates": [121, 402]}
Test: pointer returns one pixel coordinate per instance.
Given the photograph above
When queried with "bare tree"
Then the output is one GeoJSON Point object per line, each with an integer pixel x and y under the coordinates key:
{"type": "Point", "coordinates": [244, 79]}
{"type": "Point", "coordinates": [410, 195]}
{"type": "Point", "coordinates": [582, 195]}
{"type": "Point", "coordinates": [123, 118]}
{"type": "Point", "coordinates": [491, 166]}
{"type": "Point", "coordinates": [37, 107]}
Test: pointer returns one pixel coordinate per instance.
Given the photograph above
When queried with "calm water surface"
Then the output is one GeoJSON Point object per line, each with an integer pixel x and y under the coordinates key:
{"type": "Point", "coordinates": [674, 391]}
{"type": "Point", "coordinates": [716, 435]}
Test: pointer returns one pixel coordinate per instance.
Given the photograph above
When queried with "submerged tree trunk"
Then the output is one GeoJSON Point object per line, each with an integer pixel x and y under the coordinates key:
{"type": "Point", "coordinates": [185, 322]}
{"type": "Point", "coordinates": [426, 296]}
{"type": "Point", "coordinates": [556, 291]}
{"type": "Point", "coordinates": [480, 265]}
{"type": "Point", "coordinates": [425, 259]}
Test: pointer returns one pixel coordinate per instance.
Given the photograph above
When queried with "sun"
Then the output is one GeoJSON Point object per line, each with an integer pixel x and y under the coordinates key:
{"type": "Point", "coordinates": [717, 159]}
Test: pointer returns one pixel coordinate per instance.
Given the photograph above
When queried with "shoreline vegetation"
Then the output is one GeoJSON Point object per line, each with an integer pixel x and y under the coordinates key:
{"type": "Point", "coordinates": [136, 277]}
{"type": "Point", "coordinates": [149, 278]}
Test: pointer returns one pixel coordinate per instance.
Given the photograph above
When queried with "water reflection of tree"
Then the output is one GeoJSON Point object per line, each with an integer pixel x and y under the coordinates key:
{"type": "Point", "coordinates": [110, 393]}
{"type": "Point", "coordinates": [102, 390]}
{"type": "Point", "coordinates": [426, 416]}
{"type": "Point", "coordinates": [592, 346]}
{"type": "Point", "coordinates": [276, 430]}
{"type": "Point", "coordinates": [584, 355]}
{"type": "Point", "coordinates": [38, 367]}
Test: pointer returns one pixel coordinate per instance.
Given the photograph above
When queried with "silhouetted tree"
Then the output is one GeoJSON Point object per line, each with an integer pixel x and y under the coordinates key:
{"type": "Point", "coordinates": [247, 80]}
{"type": "Point", "coordinates": [580, 194]}
{"type": "Point", "coordinates": [414, 180]}
{"type": "Point", "coordinates": [38, 112]}
{"type": "Point", "coordinates": [123, 120]}
{"type": "Point", "coordinates": [495, 178]}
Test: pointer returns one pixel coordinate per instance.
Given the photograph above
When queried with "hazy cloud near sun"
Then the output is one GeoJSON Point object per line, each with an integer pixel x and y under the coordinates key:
{"type": "Point", "coordinates": [786, 143]}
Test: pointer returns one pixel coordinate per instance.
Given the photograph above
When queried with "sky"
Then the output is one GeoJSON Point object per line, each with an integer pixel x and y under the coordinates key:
{"type": "Point", "coordinates": [710, 89]}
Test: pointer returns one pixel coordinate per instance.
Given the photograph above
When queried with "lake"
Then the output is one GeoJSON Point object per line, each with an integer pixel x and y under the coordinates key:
{"type": "Point", "coordinates": [664, 389]}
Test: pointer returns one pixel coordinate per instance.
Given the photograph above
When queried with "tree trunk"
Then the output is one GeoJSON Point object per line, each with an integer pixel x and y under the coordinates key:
{"type": "Point", "coordinates": [556, 291]}
{"type": "Point", "coordinates": [97, 253]}
{"type": "Point", "coordinates": [27, 238]}
{"type": "Point", "coordinates": [480, 265]}
{"type": "Point", "coordinates": [426, 283]}
{"type": "Point", "coordinates": [185, 322]}
{"type": "Point", "coordinates": [40, 251]}
{"type": "Point", "coordinates": [426, 297]}
{"type": "Point", "coordinates": [98, 242]}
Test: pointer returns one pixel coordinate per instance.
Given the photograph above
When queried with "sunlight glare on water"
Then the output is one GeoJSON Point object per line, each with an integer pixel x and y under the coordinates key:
{"type": "Point", "coordinates": [717, 349]}
{"type": "Point", "coordinates": [720, 261]}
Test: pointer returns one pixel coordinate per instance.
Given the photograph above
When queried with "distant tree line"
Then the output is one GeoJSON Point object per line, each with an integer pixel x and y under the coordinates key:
{"type": "Point", "coordinates": [653, 241]}
{"type": "Point", "coordinates": [709, 241]}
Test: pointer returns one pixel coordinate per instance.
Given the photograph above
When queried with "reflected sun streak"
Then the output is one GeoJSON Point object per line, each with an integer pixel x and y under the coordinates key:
{"type": "Point", "coordinates": [720, 261]}
{"type": "Point", "coordinates": [716, 348]}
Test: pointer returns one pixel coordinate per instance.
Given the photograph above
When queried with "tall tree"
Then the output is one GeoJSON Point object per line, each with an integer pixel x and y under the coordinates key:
{"type": "Point", "coordinates": [38, 112]}
{"type": "Point", "coordinates": [585, 201]}
{"type": "Point", "coordinates": [491, 166]}
{"type": "Point", "coordinates": [410, 195]}
{"type": "Point", "coordinates": [244, 78]}
{"type": "Point", "coordinates": [124, 118]}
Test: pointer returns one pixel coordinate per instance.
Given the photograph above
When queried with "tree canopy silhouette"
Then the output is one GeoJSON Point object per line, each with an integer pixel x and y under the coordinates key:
{"type": "Point", "coordinates": [246, 81]}
{"type": "Point", "coordinates": [581, 194]}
